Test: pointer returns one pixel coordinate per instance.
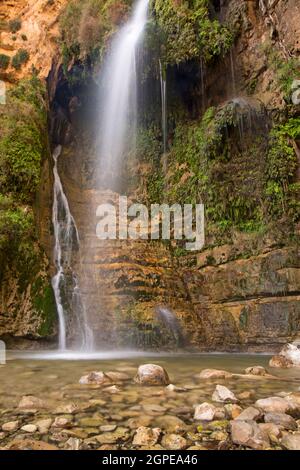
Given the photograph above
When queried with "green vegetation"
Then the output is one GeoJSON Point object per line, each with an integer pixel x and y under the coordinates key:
{"type": "Point", "coordinates": [21, 57]}
{"type": "Point", "coordinates": [286, 70]}
{"type": "Point", "coordinates": [188, 31]}
{"type": "Point", "coordinates": [4, 61]}
{"type": "Point", "coordinates": [15, 25]}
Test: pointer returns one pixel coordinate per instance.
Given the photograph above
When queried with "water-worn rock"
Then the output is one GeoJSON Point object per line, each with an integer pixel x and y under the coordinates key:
{"type": "Point", "coordinates": [281, 419]}
{"type": "Point", "coordinates": [246, 395]}
{"type": "Point", "coordinates": [211, 374]}
{"type": "Point", "coordinates": [256, 370]}
{"type": "Point", "coordinates": [29, 402]}
{"type": "Point", "coordinates": [171, 424]}
{"type": "Point", "coordinates": [117, 376]}
{"type": "Point", "coordinates": [108, 428]}
{"type": "Point", "coordinates": [232, 410]}
{"type": "Point", "coordinates": [43, 425]}
{"type": "Point", "coordinates": [62, 422]}
{"type": "Point", "coordinates": [146, 436]}
{"type": "Point", "coordinates": [280, 362]}
{"type": "Point", "coordinates": [66, 408]}
{"type": "Point", "coordinates": [272, 430]}
{"type": "Point", "coordinates": [152, 374]}
{"type": "Point", "coordinates": [291, 441]}
{"type": "Point", "coordinates": [223, 394]}
{"type": "Point", "coordinates": [248, 434]}
{"type": "Point", "coordinates": [30, 444]}
{"type": "Point", "coordinates": [95, 378]}
{"type": "Point", "coordinates": [273, 405]}
{"type": "Point", "coordinates": [136, 422]}
{"type": "Point", "coordinates": [249, 414]}
{"type": "Point", "coordinates": [292, 353]}
{"type": "Point", "coordinates": [89, 422]}
{"type": "Point", "coordinates": [174, 442]}
{"type": "Point", "coordinates": [205, 412]}
{"type": "Point", "coordinates": [73, 444]}
{"type": "Point", "coordinates": [30, 428]}
{"type": "Point", "coordinates": [173, 388]}
{"type": "Point", "coordinates": [10, 426]}
{"type": "Point", "coordinates": [120, 434]}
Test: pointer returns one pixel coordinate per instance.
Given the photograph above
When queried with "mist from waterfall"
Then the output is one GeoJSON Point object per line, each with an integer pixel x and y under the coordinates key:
{"type": "Point", "coordinates": [65, 283]}
{"type": "Point", "coordinates": [119, 96]}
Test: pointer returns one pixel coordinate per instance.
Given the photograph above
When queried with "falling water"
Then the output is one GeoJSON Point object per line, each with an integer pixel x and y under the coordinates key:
{"type": "Point", "coordinates": [163, 89]}
{"type": "Point", "coordinates": [119, 101]}
{"type": "Point", "coordinates": [66, 237]}
{"type": "Point", "coordinates": [233, 73]}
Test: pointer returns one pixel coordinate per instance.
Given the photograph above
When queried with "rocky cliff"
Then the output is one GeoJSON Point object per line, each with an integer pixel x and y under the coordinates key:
{"type": "Point", "coordinates": [233, 143]}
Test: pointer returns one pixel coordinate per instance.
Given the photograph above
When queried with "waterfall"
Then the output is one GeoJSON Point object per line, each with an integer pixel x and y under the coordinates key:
{"type": "Point", "coordinates": [65, 282]}
{"type": "Point", "coordinates": [119, 100]}
{"type": "Point", "coordinates": [163, 88]}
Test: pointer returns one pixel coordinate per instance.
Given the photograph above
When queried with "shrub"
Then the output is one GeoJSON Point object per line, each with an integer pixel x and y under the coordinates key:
{"type": "Point", "coordinates": [4, 61]}
{"type": "Point", "coordinates": [15, 25]}
{"type": "Point", "coordinates": [21, 57]}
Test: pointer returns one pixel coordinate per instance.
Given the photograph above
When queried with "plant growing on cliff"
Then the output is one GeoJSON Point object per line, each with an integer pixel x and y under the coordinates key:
{"type": "Point", "coordinates": [4, 61]}
{"type": "Point", "coordinates": [21, 57]}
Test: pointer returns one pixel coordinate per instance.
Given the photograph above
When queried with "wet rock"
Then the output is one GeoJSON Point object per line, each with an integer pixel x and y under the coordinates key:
{"type": "Point", "coordinates": [139, 421]}
{"type": "Point", "coordinates": [223, 394]}
{"type": "Point", "coordinates": [232, 410]}
{"type": "Point", "coordinates": [291, 441]}
{"type": "Point", "coordinates": [151, 374]}
{"type": "Point", "coordinates": [43, 425]}
{"type": "Point", "coordinates": [272, 430]}
{"type": "Point", "coordinates": [10, 426]}
{"type": "Point", "coordinates": [30, 428]}
{"type": "Point", "coordinates": [211, 374]}
{"type": "Point", "coordinates": [146, 436]}
{"type": "Point", "coordinates": [250, 414]}
{"type": "Point", "coordinates": [273, 405]}
{"type": "Point", "coordinates": [248, 434]}
{"type": "Point", "coordinates": [205, 412]}
{"type": "Point", "coordinates": [90, 422]}
{"type": "Point", "coordinates": [256, 370]}
{"type": "Point", "coordinates": [174, 442]}
{"type": "Point", "coordinates": [219, 425]}
{"type": "Point", "coordinates": [73, 444]}
{"type": "Point", "coordinates": [28, 444]}
{"type": "Point", "coordinates": [171, 424]}
{"type": "Point", "coordinates": [280, 362]}
{"type": "Point", "coordinates": [117, 376]}
{"type": "Point", "coordinates": [67, 408]}
{"type": "Point", "coordinates": [120, 434]}
{"type": "Point", "coordinates": [112, 389]}
{"type": "Point", "coordinates": [29, 402]}
{"type": "Point", "coordinates": [281, 419]}
{"type": "Point", "coordinates": [95, 378]}
{"type": "Point", "coordinates": [62, 422]}
{"type": "Point", "coordinates": [154, 409]}
{"type": "Point", "coordinates": [108, 428]}
{"type": "Point", "coordinates": [173, 388]}
{"type": "Point", "coordinates": [107, 447]}
{"type": "Point", "coordinates": [292, 353]}
{"type": "Point", "coordinates": [246, 395]}
{"type": "Point", "coordinates": [219, 436]}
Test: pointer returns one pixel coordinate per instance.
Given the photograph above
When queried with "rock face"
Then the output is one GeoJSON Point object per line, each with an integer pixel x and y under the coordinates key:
{"type": "Point", "coordinates": [151, 374]}
{"type": "Point", "coordinates": [289, 356]}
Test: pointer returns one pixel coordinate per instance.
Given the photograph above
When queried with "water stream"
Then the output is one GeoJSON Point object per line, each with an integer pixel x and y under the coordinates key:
{"type": "Point", "coordinates": [163, 89]}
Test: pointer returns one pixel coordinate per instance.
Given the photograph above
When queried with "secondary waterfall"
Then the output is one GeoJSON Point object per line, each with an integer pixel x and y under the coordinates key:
{"type": "Point", "coordinates": [65, 282]}
{"type": "Point", "coordinates": [163, 88]}
{"type": "Point", "coordinates": [119, 100]}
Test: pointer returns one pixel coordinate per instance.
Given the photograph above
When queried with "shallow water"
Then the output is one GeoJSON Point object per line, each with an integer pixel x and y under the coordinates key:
{"type": "Point", "coordinates": [46, 376]}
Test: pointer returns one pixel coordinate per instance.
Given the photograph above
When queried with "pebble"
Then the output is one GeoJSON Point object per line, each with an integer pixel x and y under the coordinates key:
{"type": "Point", "coordinates": [11, 426]}
{"type": "Point", "coordinates": [174, 442]}
{"type": "Point", "coordinates": [223, 394]}
{"type": "Point", "coordinates": [30, 428]}
{"type": "Point", "coordinates": [205, 412]}
{"type": "Point", "coordinates": [146, 436]}
{"type": "Point", "coordinates": [152, 374]}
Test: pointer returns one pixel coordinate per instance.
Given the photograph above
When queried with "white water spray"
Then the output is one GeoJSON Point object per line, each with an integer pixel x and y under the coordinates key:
{"type": "Point", "coordinates": [66, 236]}
{"type": "Point", "coordinates": [163, 90]}
{"type": "Point", "coordinates": [119, 94]}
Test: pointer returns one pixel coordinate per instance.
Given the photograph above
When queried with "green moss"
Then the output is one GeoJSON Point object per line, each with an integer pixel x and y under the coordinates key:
{"type": "Point", "coordinates": [21, 57]}
{"type": "Point", "coordinates": [44, 303]}
{"type": "Point", "coordinates": [4, 61]}
{"type": "Point", "coordinates": [15, 25]}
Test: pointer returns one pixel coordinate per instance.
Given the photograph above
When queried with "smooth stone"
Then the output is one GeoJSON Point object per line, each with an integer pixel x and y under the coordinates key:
{"type": "Point", "coordinates": [29, 402]}
{"type": "Point", "coordinates": [154, 409]}
{"type": "Point", "coordinates": [223, 394]}
{"type": "Point", "coordinates": [256, 370]}
{"type": "Point", "coordinates": [174, 442]}
{"type": "Point", "coordinates": [171, 424]}
{"type": "Point", "coordinates": [232, 410]}
{"type": "Point", "coordinates": [249, 414]}
{"type": "Point", "coordinates": [68, 408]}
{"type": "Point", "coordinates": [173, 388]}
{"type": "Point", "coordinates": [95, 378]}
{"type": "Point", "coordinates": [280, 362]}
{"type": "Point", "coordinates": [273, 405]}
{"type": "Point", "coordinates": [90, 422]}
{"type": "Point", "coordinates": [10, 426]}
{"type": "Point", "coordinates": [219, 436]}
{"type": "Point", "coordinates": [248, 434]}
{"type": "Point", "coordinates": [120, 434]}
{"type": "Point", "coordinates": [62, 422]}
{"type": "Point", "coordinates": [28, 444]}
{"type": "Point", "coordinates": [108, 428]}
{"type": "Point", "coordinates": [30, 428]}
{"type": "Point", "coordinates": [112, 389]}
{"type": "Point", "coordinates": [246, 395]}
{"type": "Point", "coordinates": [291, 441]}
{"type": "Point", "coordinates": [292, 353]}
{"type": "Point", "coordinates": [152, 374]}
{"type": "Point", "coordinates": [146, 436]}
{"type": "Point", "coordinates": [271, 429]}
{"type": "Point", "coordinates": [117, 376]}
{"type": "Point", "coordinates": [142, 420]}
{"type": "Point", "coordinates": [205, 412]}
{"type": "Point", "coordinates": [211, 374]}
{"type": "Point", "coordinates": [281, 419]}
{"type": "Point", "coordinates": [43, 425]}
{"type": "Point", "coordinates": [73, 444]}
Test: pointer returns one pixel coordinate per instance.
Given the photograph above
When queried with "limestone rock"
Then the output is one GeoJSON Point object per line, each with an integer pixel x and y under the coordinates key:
{"type": "Point", "coordinates": [95, 378]}
{"type": "Point", "coordinates": [280, 362]}
{"type": "Point", "coordinates": [73, 444]}
{"type": "Point", "coordinates": [249, 414]}
{"type": "Point", "coordinates": [174, 442]}
{"type": "Point", "coordinates": [233, 410]}
{"type": "Point", "coordinates": [29, 402]}
{"type": "Point", "coordinates": [271, 429]}
{"type": "Point", "coordinates": [30, 428]}
{"type": "Point", "coordinates": [292, 353]}
{"type": "Point", "coordinates": [62, 422]}
{"type": "Point", "coordinates": [146, 436]}
{"type": "Point", "coordinates": [120, 434]}
{"type": "Point", "coordinates": [291, 441]}
{"type": "Point", "coordinates": [256, 370]}
{"type": "Point", "coordinates": [43, 425]}
{"type": "Point", "coordinates": [30, 444]}
{"type": "Point", "coordinates": [171, 424]}
{"type": "Point", "coordinates": [281, 419]}
{"type": "Point", "coordinates": [151, 374]}
{"type": "Point", "coordinates": [10, 426]}
{"type": "Point", "coordinates": [205, 412]}
{"type": "Point", "coordinates": [273, 405]}
{"type": "Point", "coordinates": [211, 374]}
{"type": "Point", "coordinates": [248, 434]}
{"type": "Point", "coordinates": [223, 394]}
